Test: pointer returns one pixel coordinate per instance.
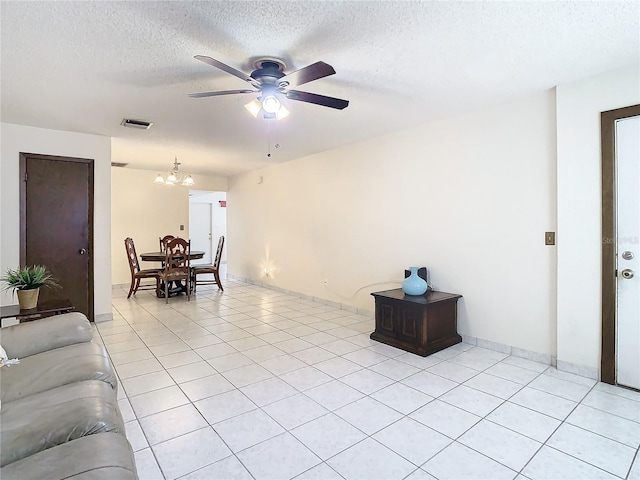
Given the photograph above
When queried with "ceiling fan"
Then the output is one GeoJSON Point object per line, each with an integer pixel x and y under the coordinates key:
{"type": "Point", "coordinates": [269, 80]}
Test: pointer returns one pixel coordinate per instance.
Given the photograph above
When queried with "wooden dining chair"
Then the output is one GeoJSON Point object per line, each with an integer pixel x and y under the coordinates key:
{"type": "Point", "coordinates": [164, 240]}
{"type": "Point", "coordinates": [177, 265]}
{"type": "Point", "coordinates": [138, 274]}
{"type": "Point", "coordinates": [209, 269]}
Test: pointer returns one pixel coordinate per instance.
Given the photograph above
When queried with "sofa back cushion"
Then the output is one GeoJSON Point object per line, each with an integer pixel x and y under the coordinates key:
{"type": "Point", "coordinates": [55, 368]}
{"type": "Point", "coordinates": [38, 336]}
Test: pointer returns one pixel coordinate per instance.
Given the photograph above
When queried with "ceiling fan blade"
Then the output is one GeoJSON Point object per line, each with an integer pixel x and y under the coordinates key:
{"type": "Point", "coordinates": [222, 66]}
{"type": "Point", "coordinates": [317, 99]}
{"type": "Point", "coordinates": [307, 74]}
{"type": "Point", "coordinates": [222, 92]}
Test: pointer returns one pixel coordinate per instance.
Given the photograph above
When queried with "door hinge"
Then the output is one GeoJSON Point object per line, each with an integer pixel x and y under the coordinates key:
{"type": "Point", "coordinates": [25, 177]}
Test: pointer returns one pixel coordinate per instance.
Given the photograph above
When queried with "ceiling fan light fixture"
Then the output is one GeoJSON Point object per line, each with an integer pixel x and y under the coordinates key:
{"type": "Point", "coordinates": [254, 107]}
{"type": "Point", "coordinates": [270, 104]}
{"type": "Point", "coordinates": [282, 112]}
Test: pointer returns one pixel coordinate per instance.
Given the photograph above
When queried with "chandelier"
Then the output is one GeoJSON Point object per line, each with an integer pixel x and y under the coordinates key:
{"type": "Point", "coordinates": [175, 176]}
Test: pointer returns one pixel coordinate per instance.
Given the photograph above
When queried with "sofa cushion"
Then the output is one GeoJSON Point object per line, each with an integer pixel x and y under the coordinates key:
{"type": "Point", "coordinates": [55, 368]}
{"type": "Point", "coordinates": [30, 338]}
{"type": "Point", "coordinates": [43, 420]}
{"type": "Point", "coordinates": [99, 456]}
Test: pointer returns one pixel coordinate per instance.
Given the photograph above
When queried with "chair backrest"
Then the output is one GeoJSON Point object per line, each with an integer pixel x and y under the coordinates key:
{"type": "Point", "coordinates": [134, 266]}
{"type": "Point", "coordinates": [177, 256]}
{"type": "Point", "coordinates": [164, 240]}
{"type": "Point", "coordinates": [216, 262]}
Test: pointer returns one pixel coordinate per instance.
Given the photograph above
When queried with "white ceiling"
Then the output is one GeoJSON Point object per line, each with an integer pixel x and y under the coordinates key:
{"type": "Point", "coordinates": [84, 66]}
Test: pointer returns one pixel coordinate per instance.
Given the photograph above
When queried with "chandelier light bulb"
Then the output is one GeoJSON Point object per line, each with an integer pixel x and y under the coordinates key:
{"type": "Point", "coordinates": [187, 182]}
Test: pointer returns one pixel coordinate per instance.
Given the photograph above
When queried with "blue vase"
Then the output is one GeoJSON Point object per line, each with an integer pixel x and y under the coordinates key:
{"type": "Point", "coordinates": [413, 284]}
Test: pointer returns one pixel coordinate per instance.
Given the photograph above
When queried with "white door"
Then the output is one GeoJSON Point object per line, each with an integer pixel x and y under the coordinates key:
{"type": "Point", "coordinates": [628, 252]}
{"type": "Point", "coordinates": [200, 230]}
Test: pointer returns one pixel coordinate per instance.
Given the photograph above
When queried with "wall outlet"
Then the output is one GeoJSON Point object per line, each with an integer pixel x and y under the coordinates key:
{"type": "Point", "coordinates": [549, 238]}
{"type": "Point", "coordinates": [181, 227]}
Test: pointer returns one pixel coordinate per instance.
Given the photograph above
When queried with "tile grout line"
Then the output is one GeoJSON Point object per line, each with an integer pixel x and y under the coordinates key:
{"type": "Point", "coordinates": [558, 428]}
{"type": "Point", "coordinates": [369, 395]}
{"type": "Point", "coordinates": [153, 453]}
{"type": "Point", "coordinates": [209, 425]}
{"type": "Point", "coordinates": [257, 407]}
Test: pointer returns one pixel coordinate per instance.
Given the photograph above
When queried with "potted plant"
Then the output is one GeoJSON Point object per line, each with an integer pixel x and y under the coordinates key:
{"type": "Point", "coordinates": [27, 282]}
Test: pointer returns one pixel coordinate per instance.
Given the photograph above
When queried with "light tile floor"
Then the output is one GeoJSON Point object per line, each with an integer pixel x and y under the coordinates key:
{"type": "Point", "coordinates": [254, 383]}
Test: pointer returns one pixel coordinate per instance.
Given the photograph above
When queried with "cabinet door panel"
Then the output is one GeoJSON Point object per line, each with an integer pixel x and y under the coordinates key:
{"type": "Point", "coordinates": [385, 319]}
{"type": "Point", "coordinates": [410, 324]}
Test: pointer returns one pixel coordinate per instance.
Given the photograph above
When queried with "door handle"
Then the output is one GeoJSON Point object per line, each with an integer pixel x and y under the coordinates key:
{"type": "Point", "coordinates": [627, 274]}
{"type": "Point", "coordinates": [83, 251]}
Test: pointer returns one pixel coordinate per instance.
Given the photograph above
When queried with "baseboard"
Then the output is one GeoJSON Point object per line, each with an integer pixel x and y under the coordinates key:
{"type": "Point", "coordinates": [509, 350]}
{"type": "Point", "coordinates": [322, 301]}
{"type": "Point", "coordinates": [103, 317]}
{"type": "Point", "coordinates": [469, 340]}
{"type": "Point", "coordinates": [497, 347]}
{"type": "Point", "coordinates": [581, 370]}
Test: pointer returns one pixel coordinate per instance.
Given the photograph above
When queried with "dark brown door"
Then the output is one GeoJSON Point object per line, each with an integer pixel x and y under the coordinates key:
{"type": "Point", "coordinates": [56, 224]}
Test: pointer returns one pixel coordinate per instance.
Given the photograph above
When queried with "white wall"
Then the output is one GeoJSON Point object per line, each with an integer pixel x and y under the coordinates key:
{"type": "Point", "coordinates": [19, 138]}
{"type": "Point", "coordinates": [146, 211]}
{"type": "Point", "coordinates": [579, 209]}
{"type": "Point", "coordinates": [470, 197]}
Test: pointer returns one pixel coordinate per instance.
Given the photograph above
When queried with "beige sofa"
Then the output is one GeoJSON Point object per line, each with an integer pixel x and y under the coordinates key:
{"type": "Point", "coordinates": [59, 416]}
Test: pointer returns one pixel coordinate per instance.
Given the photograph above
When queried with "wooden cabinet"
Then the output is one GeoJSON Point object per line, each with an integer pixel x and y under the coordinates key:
{"type": "Point", "coordinates": [420, 324]}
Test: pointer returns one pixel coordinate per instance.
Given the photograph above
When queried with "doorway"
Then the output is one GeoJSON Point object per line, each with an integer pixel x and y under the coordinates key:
{"type": "Point", "coordinates": [621, 246]}
{"type": "Point", "coordinates": [56, 224]}
{"type": "Point", "coordinates": [201, 230]}
{"type": "Point", "coordinates": [207, 222]}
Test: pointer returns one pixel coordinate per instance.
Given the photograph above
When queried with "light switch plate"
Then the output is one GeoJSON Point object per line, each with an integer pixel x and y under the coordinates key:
{"type": "Point", "coordinates": [549, 238]}
{"type": "Point", "coordinates": [181, 227]}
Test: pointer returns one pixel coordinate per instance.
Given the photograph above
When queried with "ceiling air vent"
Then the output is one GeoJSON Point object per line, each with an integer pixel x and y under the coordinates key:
{"type": "Point", "coordinates": [119, 164]}
{"type": "Point", "coordinates": [129, 122]}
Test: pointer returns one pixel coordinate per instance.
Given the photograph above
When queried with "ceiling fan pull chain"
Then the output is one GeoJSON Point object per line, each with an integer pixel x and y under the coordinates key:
{"type": "Point", "coordinates": [276, 145]}
{"type": "Point", "coordinates": [268, 139]}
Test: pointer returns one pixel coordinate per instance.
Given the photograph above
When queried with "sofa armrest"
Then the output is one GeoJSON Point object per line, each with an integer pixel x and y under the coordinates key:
{"type": "Point", "coordinates": [39, 336]}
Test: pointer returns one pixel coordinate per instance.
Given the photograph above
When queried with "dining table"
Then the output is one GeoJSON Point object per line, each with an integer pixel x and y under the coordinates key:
{"type": "Point", "coordinates": [160, 256]}
{"type": "Point", "coordinates": [178, 287]}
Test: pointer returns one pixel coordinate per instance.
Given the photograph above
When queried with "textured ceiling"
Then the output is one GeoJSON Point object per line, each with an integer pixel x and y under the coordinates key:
{"type": "Point", "coordinates": [83, 66]}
